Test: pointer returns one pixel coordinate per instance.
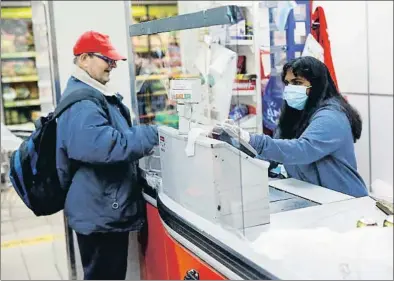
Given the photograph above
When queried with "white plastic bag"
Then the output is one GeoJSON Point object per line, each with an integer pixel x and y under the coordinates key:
{"type": "Point", "coordinates": [312, 48]}
{"type": "Point", "coordinates": [362, 253]}
{"type": "Point", "coordinates": [283, 11]}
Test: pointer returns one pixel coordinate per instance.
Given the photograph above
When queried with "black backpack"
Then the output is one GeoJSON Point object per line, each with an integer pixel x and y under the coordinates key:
{"type": "Point", "coordinates": [33, 172]}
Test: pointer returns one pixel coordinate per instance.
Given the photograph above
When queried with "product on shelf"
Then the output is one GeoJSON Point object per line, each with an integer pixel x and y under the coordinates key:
{"type": "Point", "coordinates": [249, 28]}
{"type": "Point", "coordinates": [241, 65]}
{"type": "Point", "coordinates": [10, 68]}
{"type": "Point", "coordinates": [19, 116]}
{"type": "Point", "coordinates": [16, 35]}
{"type": "Point", "coordinates": [34, 115]}
{"type": "Point", "coordinates": [238, 111]}
{"type": "Point", "coordinates": [244, 83]}
{"type": "Point", "coordinates": [252, 109]}
{"type": "Point", "coordinates": [9, 93]}
{"type": "Point", "coordinates": [20, 91]}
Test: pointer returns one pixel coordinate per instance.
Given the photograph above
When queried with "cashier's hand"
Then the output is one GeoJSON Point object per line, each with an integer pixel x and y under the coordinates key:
{"type": "Point", "coordinates": [234, 130]}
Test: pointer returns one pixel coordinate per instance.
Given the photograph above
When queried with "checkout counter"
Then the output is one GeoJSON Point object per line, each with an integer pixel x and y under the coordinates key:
{"type": "Point", "coordinates": [212, 211]}
{"type": "Point", "coordinates": [310, 233]}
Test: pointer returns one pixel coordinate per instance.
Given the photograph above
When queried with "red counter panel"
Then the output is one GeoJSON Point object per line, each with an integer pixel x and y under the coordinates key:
{"type": "Point", "coordinates": [166, 259]}
{"type": "Point", "coordinates": [153, 264]}
{"type": "Point", "coordinates": [180, 261]}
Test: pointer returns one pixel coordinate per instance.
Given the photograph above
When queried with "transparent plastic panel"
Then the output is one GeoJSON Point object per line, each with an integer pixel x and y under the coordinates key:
{"type": "Point", "coordinates": [300, 33]}
{"type": "Point", "coordinates": [191, 82]}
{"type": "Point", "coordinates": [300, 12]}
{"type": "Point", "coordinates": [279, 38]}
{"type": "Point", "coordinates": [279, 57]}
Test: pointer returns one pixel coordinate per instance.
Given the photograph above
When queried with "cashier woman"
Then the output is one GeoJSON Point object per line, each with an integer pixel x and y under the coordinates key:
{"type": "Point", "coordinates": [316, 132]}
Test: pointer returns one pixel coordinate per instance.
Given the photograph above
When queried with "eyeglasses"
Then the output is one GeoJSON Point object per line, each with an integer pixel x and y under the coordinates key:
{"type": "Point", "coordinates": [110, 62]}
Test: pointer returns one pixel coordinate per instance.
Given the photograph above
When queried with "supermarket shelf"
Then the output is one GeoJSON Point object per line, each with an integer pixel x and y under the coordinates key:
{"type": "Point", "coordinates": [18, 55]}
{"type": "Point", "coordinates": [21, 11]}
{"type": "Point", "coordinates": [155, 94]}
{"type": "Point", "coordinates": [22, 103]}
{"type": "Point", "coordinates": [244, 92]}
{"type": "Point", "coordinates": [18, 3]}
{"type": "Point", "coordinates": [151, 77]}
{"type": "Point", "coordinates": [240, 42]}
{"type": "Point", "coordinates": [153, 115]}
{"type": "Point", "coordinates": [149, 115]}
{"type": "Point", "coordinates": [247, 4]}
{"type": "Point", "coordinates": [22, 127]}
{"type": "Point", "coordinates": [18, 79]}
{"type": "Point", "coordinates": [141, 49]}
{"type": "Point", "coordinates": [152, 2]}
{"type": "Point", "coordinates": [163, 76]}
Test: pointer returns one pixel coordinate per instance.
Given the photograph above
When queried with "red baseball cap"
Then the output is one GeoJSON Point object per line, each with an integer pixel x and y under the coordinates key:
{"type": "Point", "coordinates": [95, 42]}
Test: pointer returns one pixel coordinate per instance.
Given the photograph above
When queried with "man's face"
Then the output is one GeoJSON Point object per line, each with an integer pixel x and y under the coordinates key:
{"type": "Point", "coordinates": [97, 66]}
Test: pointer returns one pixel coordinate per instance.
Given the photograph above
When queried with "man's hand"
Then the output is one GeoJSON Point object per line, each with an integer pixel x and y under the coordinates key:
{"type": "Point", "coordinates": [150, 153]}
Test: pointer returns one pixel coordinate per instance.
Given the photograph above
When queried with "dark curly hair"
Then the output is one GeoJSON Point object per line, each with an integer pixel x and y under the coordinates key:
{"type": "Point", "coordinates": [292, 122]}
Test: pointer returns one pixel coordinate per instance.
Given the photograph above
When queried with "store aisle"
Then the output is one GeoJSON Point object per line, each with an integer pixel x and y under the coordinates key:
{"type": "Point", "coordinates": [31, 247]}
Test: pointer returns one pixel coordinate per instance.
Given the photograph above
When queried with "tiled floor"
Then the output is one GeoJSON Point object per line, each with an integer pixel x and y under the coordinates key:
{"type": "Point", "coordinates": [34, 248]}
{"type": "Point", "coordinates": [31, 247]}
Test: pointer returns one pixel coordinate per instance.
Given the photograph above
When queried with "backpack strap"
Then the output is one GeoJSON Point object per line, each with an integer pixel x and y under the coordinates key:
{"type": "Point", "coordinates": [117, 100]}
{"type": "Point", "coordinates": [79, 95]}
{"type": "Point", "coordinates": [125, 112]}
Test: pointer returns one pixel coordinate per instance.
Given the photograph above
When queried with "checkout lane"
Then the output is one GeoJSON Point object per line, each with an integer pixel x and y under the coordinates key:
{"type": "Point", "coordinates": [209, 208]}
{"type": "Point", "coordinates": [233, 254]}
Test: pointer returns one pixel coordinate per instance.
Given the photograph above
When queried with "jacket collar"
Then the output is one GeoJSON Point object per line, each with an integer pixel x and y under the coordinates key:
{"type": "Point", "coordinates": [84, 77]}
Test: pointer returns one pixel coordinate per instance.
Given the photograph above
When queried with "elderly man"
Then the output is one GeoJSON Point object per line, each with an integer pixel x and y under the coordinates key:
{"type": "Point", "coordinates": [97, 151]}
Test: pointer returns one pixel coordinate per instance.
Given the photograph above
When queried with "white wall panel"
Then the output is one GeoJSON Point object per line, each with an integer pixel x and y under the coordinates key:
{"type": "Point", "coordinates": [360, 102]}
{"type": "Point", "coordinates": [382, 138]}
{"type": "Point", "coordinates": [72, 18]}
{"type": "Point", "coordinates": [346, 21]}
{"type": "Point", "coordinates": [380, 38]}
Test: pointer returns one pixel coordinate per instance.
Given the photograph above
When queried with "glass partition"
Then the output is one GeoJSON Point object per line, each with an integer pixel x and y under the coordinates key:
{"type": "Point", "coordinates": [188, 85]}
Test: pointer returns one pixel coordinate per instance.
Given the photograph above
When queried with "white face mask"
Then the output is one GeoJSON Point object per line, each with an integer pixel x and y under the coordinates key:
{"type": "Point", "coordinates": [295, 96]}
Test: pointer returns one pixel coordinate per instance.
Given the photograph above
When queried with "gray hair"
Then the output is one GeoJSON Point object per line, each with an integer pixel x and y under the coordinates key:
{"type": "Point", "coordinates": [75, 60]}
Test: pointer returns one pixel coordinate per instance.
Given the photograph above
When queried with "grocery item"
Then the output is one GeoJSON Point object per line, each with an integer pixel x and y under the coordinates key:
{"type": "Point", "coordinates": [34, 92]}
{"type": "Point", "coordinates": [14, 116]}
{"type": "Point", "coordinates": [388, 221]}
{"type": "Point", "coordinates": [7, 43]}
{"type": "Point", "coordinates": [241, 65]}
{"type": "Point", "coordinates": [16, 35]}
{"type": "Point", "coordinates": [9, 93]}
{"type": "Point", "coordinates": [22, 92]}
{"type": "Point", "coordinates": [21, 67]}
{"type": "Point", "coordinates": [238, 112]}
{"type": "Point", "coordinates": [35, 114]}
{"type": "Point", "coordinates": [363, 222]}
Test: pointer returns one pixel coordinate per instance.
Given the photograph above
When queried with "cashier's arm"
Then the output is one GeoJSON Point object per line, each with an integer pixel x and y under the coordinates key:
{"type": "Point", "coordinates": [323, 136]}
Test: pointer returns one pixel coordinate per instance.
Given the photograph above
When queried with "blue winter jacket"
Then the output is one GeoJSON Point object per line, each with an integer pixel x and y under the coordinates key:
{"type": "Point", "coordinates": [323, 155]}
{"type": "Point", "coordinates": [96, 161]}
